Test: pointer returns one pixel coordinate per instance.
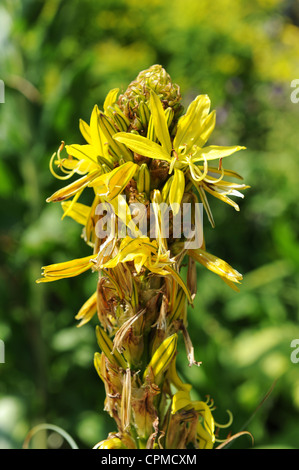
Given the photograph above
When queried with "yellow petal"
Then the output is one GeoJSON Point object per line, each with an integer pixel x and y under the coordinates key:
{"type": "Point", "coordinates": [79, 212]}
{"type": "Point", "coordinates": [106, 346]}
{"type": "Point", "coordinates": [160, 122]}
{"type": "Point", "coordinates": [143, 146]}
{"type": "Point", "coordinates": [113, 183]}
{"type": "Point", "coordinates": [176, 192]}
{"type": "Point", "coordinates": [96, 133]}
{"type": "Point", "coordinates": [180, 400]}
{"type": "Point", "coordinates": [204, 132]}
{"type": "Point", "coordinates": [180, 282]}
{"type": "Point", "coordinates": [190, 122]}
{"type": "Point", "coordinates": [85, 131]}
{"type": "Point", "coordinates": [73, 188]}
{"type": "Point", "coordinates": [221, 196]}
{"type": "Point", "coordinates": [162, 357]}
{"type": "Point", "coordinates": [123, 212]}
{"type": "Point", "coordinates": [82, 152]}
{"type": "Point", "coordinates": [72, 268]}
{"type": "Point", "coordinates": [110, 98]}
{"type": "Point", "coordinates": [215, 264]}
{"type": "Point", "coordinates": [88, 310]}
{"type": "Point", "coordinates": [175, 379]}
{"type": "Point", "coordinates": [212, 152]}
{"type": "Point", "coordinates": [205, 439]}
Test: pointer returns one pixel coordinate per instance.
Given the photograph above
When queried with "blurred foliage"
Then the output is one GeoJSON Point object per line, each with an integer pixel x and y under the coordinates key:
{"type": "Point", "coordinates": [57, 60]}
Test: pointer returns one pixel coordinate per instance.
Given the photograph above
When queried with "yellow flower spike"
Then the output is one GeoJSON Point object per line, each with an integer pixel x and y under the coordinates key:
{"type": "Point", "coordinates": [57, 271]}
{"type": "Point", "coordinates": [88, 310]}
{"type": "Point", "coordinates": [106, 346]}
{"type": "Point", "coordinates": [141, 297]}
{"type": "Point", "coordinates": [162, 357]}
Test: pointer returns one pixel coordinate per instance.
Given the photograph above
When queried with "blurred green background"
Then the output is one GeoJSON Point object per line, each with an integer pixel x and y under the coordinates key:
{"type": "Point", "coordinates": [59, 58]}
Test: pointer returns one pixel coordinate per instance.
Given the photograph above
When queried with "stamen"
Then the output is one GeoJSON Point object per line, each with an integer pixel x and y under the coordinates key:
{"type": "Point", "coordinates": [230, 420]}
{"type": "Point", "coordinates": [69, 174]}
{"type": "Point", "coordinates": [214, 180]}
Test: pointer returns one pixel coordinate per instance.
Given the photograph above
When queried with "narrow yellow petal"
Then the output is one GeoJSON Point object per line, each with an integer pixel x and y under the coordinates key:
{"type": "Point", "coordinates": [79, 212]}
{"type": "Point", "coordinates": [120, 177]}
{"type": "Point", "coordinates": [215, 264]}
{"type": "Point", "coordinates": [160, 122]}
{"type": "Point", "coordinates": [180, 282]}
{"type": "Point", "coordinates": [72, 268]}
{"type": "Point", "coordinates": [175, 379]}
{"type": "Point", "coordinates": [73, 188]}
{"type": "Point", "coordinates": [180, 400]}
{"type": "Point", "coordinates": [106, 345]}
{"type": "Point", "coordinates": [113, 183]}
{"type": "Point", "coordinates": [177, 189]}
{"type": "Point", "coordinates": [110, 98]}
{"type": "Point", "coordinates": [162, 357]}
{"type": "Point", "coordinates": [212, 152]}
{"type": "Point", "coordinates": [143, 146]}
{"type": "Point", "coordinates": [96, 133]}
{"type": "Point", "coordinates": [221, 196]}
{"type": "Point", "coordinates": [85, 131]}
{"type": "Point", "coordinates": [88, 310]}
{"type": "Point", "coordinates": [190, 122]}
{"type": "Point", "coordinates": [205, 131]}
{"type": "Point", "coordinates": [82, 152]}
{"type": "Point", "coordinates": [206, 440]}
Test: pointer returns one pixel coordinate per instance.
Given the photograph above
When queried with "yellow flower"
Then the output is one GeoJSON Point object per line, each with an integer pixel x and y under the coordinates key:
{"type": "Point", "coordinates": [186, 154]}
{"type": "Point", "coordinates": [206, 425]}
{"type": "Point", "coordinates": [99, 156]}
{"type": "Point", "coordinates": [147, 254]}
